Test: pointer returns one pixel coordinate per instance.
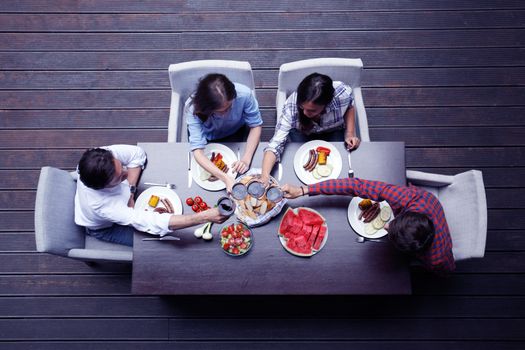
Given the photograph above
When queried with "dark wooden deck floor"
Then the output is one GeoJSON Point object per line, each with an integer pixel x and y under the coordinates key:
{"type": "Point", "coordinates": [447, 77]}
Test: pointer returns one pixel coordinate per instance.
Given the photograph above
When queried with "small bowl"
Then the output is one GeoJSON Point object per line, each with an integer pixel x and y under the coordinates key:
{"type": "Point", "coordinates": [246, 239]}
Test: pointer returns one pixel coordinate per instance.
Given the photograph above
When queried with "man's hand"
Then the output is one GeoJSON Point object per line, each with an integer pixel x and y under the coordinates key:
{"type": "Point", "coordinates": [291, 191]}
{"type": "Point", "coordinates": [213, 215]}
{"type": "Point", "coordinates": [352, 142]}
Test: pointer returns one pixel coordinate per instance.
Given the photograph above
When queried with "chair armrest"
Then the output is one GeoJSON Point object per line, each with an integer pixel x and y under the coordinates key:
{"type": "Point", "coordinates": [101, 255]}
{"type": "Point", "coordinates": [427, 179]}
{"type": "Point", "coordinates": [361, 117]}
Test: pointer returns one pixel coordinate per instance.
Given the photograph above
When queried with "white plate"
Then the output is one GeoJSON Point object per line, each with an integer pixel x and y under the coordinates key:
{"type": "Point", "coordinates": [284, 240]}
{"type": "Point", "coordinates": [358, 225]}
{"type": "Point", "coordinates": [301, 157]}
{"type": "Point", "coordinates": [163, 192]}
{"type": "Point", "coordinates": [229, 158]}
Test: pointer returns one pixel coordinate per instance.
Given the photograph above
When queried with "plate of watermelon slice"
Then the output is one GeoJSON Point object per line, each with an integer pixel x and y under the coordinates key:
{"type": "Point", "coordinates": [303, 231]}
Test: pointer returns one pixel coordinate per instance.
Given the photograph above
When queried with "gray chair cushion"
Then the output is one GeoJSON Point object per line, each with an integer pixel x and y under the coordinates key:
{"type": "Point", "coordinates": [55, 229]}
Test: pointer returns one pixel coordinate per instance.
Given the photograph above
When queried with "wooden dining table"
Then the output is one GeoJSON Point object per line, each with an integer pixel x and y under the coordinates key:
{"type": "Point", "coordinates": [343, 266]}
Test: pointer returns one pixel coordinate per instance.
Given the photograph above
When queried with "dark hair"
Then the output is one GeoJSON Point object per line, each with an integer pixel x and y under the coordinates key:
{"type": "Point", "coordinates": [316, 88]}
{"type": "Point", "coordinates": [96, 168]}
{"type": "Point", "coordinates": [411, 232]}
{"type": "Point", "coordinates": [212, 92]}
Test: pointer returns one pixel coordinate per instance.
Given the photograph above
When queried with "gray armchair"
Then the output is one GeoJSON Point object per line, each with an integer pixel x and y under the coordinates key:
{"type": "Point", "coordinates": [347, 70]}
{"type": "Point", "coordinates": [464, 202]}
{"type": "Point", "coordinates": [55, 228]}
{"type": "Point", "coordinates": [184, 78]}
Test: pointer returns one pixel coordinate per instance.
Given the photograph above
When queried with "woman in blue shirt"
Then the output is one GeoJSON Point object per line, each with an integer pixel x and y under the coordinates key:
{"type": "Point", "coordinates": [217, 110]}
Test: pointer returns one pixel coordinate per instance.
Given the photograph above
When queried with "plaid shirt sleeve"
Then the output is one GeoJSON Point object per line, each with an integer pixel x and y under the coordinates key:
{"type": "Point", "coordinates": [439, 257]}
{"type": "Point", "coordinates": [286, 121]}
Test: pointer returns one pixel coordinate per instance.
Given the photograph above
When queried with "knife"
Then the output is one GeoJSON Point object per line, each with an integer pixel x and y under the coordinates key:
{"type": "Point", "coordinates": [279, 171]}
{"type": "Point", "coordinates": [165, 238]}
{"type": "Point", "coordinates": [190, 178]}
{"type": "Point", "coordinates": [350, 170]}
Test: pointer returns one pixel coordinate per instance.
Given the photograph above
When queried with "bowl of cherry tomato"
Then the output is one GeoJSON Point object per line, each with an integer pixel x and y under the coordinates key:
{"type": "Point", "coordinates": [197, 204]}
{"type": "Point", "coordinates": [236, 239]}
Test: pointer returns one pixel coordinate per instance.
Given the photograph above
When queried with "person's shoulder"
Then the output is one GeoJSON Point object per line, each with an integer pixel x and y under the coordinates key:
{"type": "Point", "coordinates": [242, 90]}
{"type": "Point", "coordinates": [340, 88]}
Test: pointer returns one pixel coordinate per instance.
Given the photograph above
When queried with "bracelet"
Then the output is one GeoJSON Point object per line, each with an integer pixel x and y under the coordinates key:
{"type": "Point", "coordinates": [302, 190]}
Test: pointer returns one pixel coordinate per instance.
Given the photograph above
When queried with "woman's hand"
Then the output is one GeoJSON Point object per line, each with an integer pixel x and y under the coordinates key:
{"type": "Point", "coordinates": [229, 182]}
{"type": "Point", "coordinates": [291, 191]}
{"type": "Point", "coordinates": [352, 142]}
{"type": "Point", "coordinates": [240, 166]}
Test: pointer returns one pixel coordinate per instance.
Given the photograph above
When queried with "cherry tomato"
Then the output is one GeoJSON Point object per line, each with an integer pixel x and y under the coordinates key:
{"type": "Point", "coordinates": [226, 246]}
{"type": "Point", "coordinates": [239, 227]}
{"type": "Point", "coordinates": [197, 199]}
{"type": "Point", "coordinates": [238, 241]}
{"type": "Point", "coordinates": [231, 241]}
{"type": "Point", "coordinates": [203, 205]}
{"type": "Point", "coordinates": [224, 234]}
{"type": "Point", "coordinates": [189, 201]}
{"type": "Point", "coordinates": [246, 233]}
{"type": "Point", "coordinates": [195, 208]}
{"type": "Point", "coordinates": [230, 229]}
{"type": "Point", "coordinates": [235, 251]}
{"type": "Point", "coordinates": [243, 246]}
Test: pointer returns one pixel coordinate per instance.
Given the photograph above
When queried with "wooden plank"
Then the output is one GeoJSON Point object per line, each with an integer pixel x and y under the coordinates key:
{"type": "Point", "coordinates": [155, 99]}
{"type": "Point", "coordinates": [40, 263]}
{"type": "Point", "coordinates": [424, 283]}
{"type": "Point", "coordinates": [76, 329]}
{"type": "Point", "coordinates": [65, 285]}
{"type": "Point", "coordinates": [372, 58]}
{"type": "Point", "coordinates": [400, 77]}
{"type": "Point", "coordinates": [445, 116]}
{"type": "Point", "coordinates": [18, 159]}
{"type": "Point", "coordinates": [21, 139]}
{"type": "Point", "coordinates": [350, 307]}
{"type": "Point", "coordinates": [494, 262]}
{"type": "Point", "coordinates": [304, 329]}
{"type": "Point", "coordinates": [261, 345]}
{"type": "Point", "coordinates": [17, 242]}
{"type": "Point", "coordinates": [223, 21]}
{"type": "Point", "coordinates": [19, 179]}
{"type": "Point", "coordinates": [267, 40]}
{"type": "Point", "coordinates": [505, 240]}
{"type": "Point", "coordinates": [463, 137]}
{"type": "Point", "coordinates": [18, 221]}
{"type": "Point", "coordinates": [181, 6]}
{"type": "Point", "coordinates": [507, 219]}
{"type": "Point", "coordinates": [471, 157]}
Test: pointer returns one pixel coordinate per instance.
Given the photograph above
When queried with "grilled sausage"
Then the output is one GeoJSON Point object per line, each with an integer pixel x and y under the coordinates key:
{"type": "Point", "coordinates": [309, 161]}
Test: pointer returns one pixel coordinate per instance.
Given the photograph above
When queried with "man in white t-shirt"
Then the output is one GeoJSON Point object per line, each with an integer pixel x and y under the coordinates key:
{"type": "Point", "coordinates": [104, 201]}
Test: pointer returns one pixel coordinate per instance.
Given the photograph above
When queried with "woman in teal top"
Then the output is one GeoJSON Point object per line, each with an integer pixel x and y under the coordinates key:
{"type": "Point", "coordinates": [217, 110]}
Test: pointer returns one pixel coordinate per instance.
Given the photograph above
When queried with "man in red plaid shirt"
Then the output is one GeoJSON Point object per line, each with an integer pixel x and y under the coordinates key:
{"type": "Point", "coordinates": [419, 227]}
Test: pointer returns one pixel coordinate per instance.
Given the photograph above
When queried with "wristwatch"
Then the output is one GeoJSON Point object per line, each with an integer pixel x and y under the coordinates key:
{"type": "Point", "coordinates": [133, 189]}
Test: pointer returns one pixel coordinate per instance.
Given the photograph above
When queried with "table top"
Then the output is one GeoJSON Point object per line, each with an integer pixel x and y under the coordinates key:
{"type": "Point", "coordinates": [343, 266]}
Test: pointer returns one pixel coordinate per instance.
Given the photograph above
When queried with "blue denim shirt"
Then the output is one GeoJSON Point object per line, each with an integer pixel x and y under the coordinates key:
{"type": "Point", "coordinates": [244, 111]}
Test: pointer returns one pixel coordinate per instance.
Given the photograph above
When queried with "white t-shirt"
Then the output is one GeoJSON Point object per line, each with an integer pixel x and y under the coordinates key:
{"type": "Point", "coordinates": [98, 209]}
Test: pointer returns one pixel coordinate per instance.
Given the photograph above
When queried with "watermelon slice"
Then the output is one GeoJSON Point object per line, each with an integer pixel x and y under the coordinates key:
{"type": "Point", "coordinates": [287, 221]}
{"type": "Point", "coordinates": [313, 236]}
{"type": "Point", "coordinates": [309, 217]}
{"type": "Point", "coordinates": [320, 238]}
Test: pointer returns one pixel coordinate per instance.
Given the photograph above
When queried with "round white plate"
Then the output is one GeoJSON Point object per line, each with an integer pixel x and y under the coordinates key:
{"type": "Point", "coordinates": [358, 225]}
{"type": "Point", "coordinates": [301, 157]}
{"type": "Point", "coordinates": [229, 158]}
{"type": "Point", "coordinates": [163, 192]}
{"type": "Point", "coordinates": [283, 240]}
